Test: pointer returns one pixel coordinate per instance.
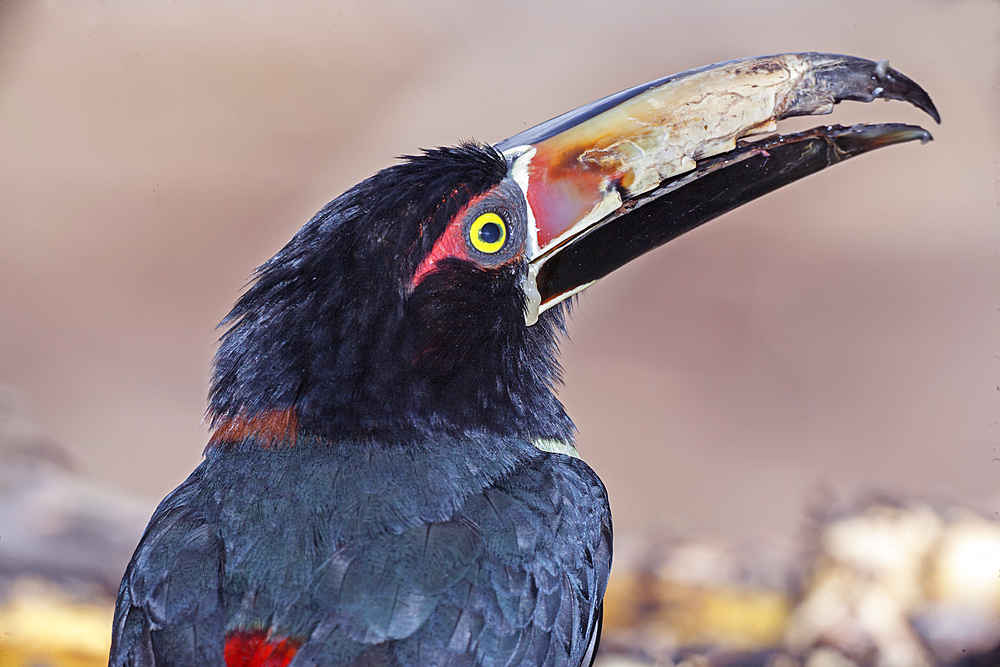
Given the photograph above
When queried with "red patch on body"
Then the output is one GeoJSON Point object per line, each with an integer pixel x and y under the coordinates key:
{"type": "Point", "coordinates": [272, 427]}
{"type": "Point", "coordinates": [254, 649]}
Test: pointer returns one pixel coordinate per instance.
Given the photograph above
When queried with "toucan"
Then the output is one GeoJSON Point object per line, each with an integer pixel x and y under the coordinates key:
{"type": "Point", "coordinates": [391, 480]}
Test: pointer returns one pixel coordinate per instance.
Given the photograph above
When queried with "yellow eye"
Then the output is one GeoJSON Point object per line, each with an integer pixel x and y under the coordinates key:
{"type": "Point", "coordinates": [488, 233]}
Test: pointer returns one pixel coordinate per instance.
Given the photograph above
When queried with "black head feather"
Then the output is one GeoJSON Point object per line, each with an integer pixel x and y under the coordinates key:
{"type": "Point", "coordinates": [333, 328]}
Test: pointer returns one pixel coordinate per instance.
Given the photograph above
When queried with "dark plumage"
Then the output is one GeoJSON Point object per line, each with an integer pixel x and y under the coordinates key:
{"type": "Point", "coordinates": [403, 515]}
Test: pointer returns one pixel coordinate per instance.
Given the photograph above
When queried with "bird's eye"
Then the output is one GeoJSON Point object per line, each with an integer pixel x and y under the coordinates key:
{"type": "Point", "coordinates": [488, 233]}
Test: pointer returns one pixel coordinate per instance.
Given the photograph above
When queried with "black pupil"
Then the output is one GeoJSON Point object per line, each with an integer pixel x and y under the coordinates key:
{"type": "Point", "coordinates": [490, 233]}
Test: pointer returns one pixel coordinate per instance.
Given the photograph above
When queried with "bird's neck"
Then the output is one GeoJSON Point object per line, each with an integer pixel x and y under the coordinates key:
{"type": "Point", "coordinates": [276, 387]}
{"type": "Point", "coordinates": [278, 430]}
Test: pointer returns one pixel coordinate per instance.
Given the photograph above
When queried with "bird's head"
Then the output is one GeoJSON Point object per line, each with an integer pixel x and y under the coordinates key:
{"type": "Point", "coordinates": [400, 306]}
{"type": "Point", "coordinates": [428, 297]}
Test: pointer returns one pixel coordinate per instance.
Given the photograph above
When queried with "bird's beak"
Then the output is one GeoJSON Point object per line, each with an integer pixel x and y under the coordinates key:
{"type": "Point", "coordinates": [618, 177]}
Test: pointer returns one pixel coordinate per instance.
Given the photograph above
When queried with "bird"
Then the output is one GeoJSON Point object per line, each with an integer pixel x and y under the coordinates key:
{"type": "Point", "coordinates": [391, 479]}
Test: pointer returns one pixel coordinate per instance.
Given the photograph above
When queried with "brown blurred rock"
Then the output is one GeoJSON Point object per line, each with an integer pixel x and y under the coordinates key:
{"type": "Point", "coordinates": [879, 583]}
{"type": "Point", "coordinates": [54, 524]}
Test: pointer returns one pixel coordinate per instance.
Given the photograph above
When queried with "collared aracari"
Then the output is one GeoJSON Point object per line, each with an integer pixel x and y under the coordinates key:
{"type": "Point", "coordinates": [391, 480]}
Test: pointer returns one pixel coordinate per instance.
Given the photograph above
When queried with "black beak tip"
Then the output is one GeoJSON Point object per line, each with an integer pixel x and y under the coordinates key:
{"type": "Point", "coordinates": [859, 139]}
{"type": "Point", "coordinates": [898, 86]}
{"type": "Point", "coordinates": [850, 78]}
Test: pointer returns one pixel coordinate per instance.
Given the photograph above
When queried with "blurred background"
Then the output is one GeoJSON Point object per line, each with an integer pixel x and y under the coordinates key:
{"type": "Point", "coordinates": [834, 342]}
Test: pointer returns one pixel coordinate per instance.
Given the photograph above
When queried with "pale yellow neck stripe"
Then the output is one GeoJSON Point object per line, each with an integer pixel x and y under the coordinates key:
{"type": "Point", "coordinates": [556, 447]}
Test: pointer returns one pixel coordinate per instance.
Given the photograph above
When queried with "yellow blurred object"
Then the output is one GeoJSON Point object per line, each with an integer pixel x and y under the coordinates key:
{"type": "Point", "coordinates": [41, 626]}
{"type": "Point", "coordinates": [730, 616]}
